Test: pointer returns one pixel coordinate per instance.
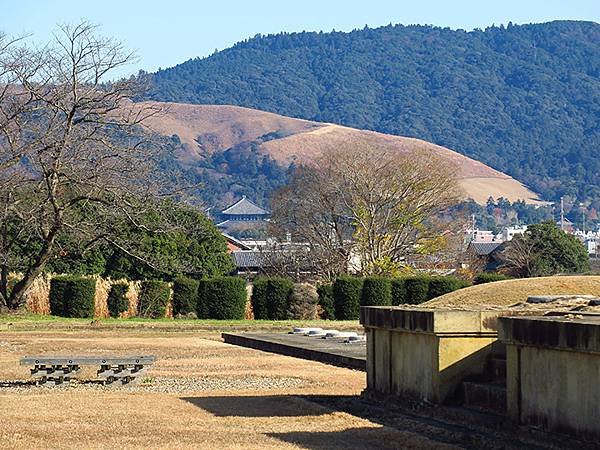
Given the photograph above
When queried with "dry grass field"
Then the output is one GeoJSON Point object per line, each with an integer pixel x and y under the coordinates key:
{"type": "Point", "coordinates": [501, 294]}
{"type": "Point", "coordinates": [202, 393]}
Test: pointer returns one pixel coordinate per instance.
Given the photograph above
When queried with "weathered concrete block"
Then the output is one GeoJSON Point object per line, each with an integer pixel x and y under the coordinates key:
{"type": "Point", "coordinates": [425, 353]}
{"type": "Point", "coordinates": [553, 367]}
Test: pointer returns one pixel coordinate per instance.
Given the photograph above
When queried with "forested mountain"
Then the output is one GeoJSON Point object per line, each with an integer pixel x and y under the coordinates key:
{"type": "Point", "coordinates": [523, 99]}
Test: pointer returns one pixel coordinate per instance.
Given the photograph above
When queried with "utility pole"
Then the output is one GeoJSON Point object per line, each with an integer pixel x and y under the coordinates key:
{"type": "Point", "coordinates": [473, 227]}
{"type": "Point", "coordinates": [562, 214]}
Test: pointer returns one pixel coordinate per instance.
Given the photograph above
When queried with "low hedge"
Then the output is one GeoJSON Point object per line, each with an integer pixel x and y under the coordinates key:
{"type": "Point", "coordinates": [417, 289]}
{"type": "Point", "coordinates": [271, 298]}
{"type": "Point", "coordinates": [376, 291]}
{"type": "Point", "coordinates": [325, 293]}
{"type": "Point", "coordinates": [489, 277]}
{"type": "Point", "coordinates": [346, 297]}
{"type": "Point", "coordinates": [185, 296]}
{"type": "Point", "coordinates": [117, 301]}
{"type": "Point", "coordinates": [222, 298]}
{"type": "Point", "coordinates": [443, 285]}
{"type": "Point", "coordinates": [154, 299]}
{"type": "Point", "coordinates": [72, 296]}
{"type": "Point", "coordinates": [279, 291]}
{"type": "Point", "coordinates": [259, 298]}
{"type": "Point", "coordinates": [398, 291]}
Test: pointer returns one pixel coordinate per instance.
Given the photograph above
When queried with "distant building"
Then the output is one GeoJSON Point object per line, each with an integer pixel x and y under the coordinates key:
{"type": "Point", "coordinates": [235, 245]}
{"type": "Point", "coordinates": [243, 211]}
{"type": "Point", "coordinates": [510, 232]}
{"type": "Point", "coordinates": [243, 218]}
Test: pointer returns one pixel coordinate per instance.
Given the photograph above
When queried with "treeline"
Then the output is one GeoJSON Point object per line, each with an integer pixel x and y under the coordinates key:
{"type": "Point", "coordinates": [519, 98]}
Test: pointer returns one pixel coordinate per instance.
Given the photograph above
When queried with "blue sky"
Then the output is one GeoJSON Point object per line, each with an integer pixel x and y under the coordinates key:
{"type": "Point", "coordinates": [168, 32]}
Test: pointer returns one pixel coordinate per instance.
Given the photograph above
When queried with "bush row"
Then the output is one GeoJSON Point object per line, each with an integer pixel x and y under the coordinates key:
{"type": "Point", "coordinates": [342, 299]}
{"type": "Point", "coordinates": [215, 298]}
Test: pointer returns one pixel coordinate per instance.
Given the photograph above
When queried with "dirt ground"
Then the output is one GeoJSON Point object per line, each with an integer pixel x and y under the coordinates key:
{"type": "Point", "coordinates": [202, 393]}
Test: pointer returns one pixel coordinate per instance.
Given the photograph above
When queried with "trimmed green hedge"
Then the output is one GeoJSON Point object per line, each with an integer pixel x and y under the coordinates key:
{"type": "Point", "coordinates": [222, 298]}
{"type": "Point", "coordinates": [271, 298]}
{"type": "Point", "coordinates": [398, 291]}
{"type": "Point", "coordinates": [279, 291]}
{"type": "Point", "coordinates": [325, 293]}
{"type": "Point", "coordinates": [154, 299]}
{"type": "Point", "coordinates": [72, 296]}
{"type": "Point", "coordinates": [489, 277]}
{"type": "Point", "coordinates": [346, 297]}
{"type": "Point", "coordinates": [117, 301]}
{"type": "Point", "coordinates": [443, 285]}
{"type": "Point", "coordinates": [376, 291]}
{"type": "Point", "coordinates": [417, 289]}
{"type": "Point", "coordinates": [185, 296]}
{"type": "Point", "coordinates": [259, 298]}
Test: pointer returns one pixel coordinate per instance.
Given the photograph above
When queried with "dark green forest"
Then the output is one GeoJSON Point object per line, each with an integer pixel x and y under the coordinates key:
{"type": "Point", "coordinates": [523, 99]}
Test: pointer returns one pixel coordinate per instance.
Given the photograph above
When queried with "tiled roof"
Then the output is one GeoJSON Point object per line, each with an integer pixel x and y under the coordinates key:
{"type": "Point", "coordinates": [245, 207]}
{"type": "Point", "coordinates": [245, 259]}
{"type": "Point", "coordinates": [235, 241]}
{"type": "Point", "coordinates": [484, 248]}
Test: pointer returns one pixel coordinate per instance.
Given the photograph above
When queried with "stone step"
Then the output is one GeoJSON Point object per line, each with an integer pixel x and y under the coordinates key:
{"type": "Point", "coordinates": [487, 396]}
{"type": "Point", "coordinates": [497, 369]}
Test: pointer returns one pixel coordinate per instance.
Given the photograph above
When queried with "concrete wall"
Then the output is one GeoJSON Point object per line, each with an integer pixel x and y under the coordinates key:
{"type": "Point", "coordinates": [553, 373]}
{"type": "Point", "coordinates": [424, 353]}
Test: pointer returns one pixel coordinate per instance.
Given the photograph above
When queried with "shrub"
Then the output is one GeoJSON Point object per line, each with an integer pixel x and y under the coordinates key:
{"type": "Point", "coordinates": [488, 277]}
{"type": "Point", "coordinates": [398, 291]}
{"type": "Point", "coordinates": [442, 285]}
{"type": "Point", "coordinates": [117, 301]}
{"type": "Point", "coordinates": [376, 291]}
{"type": "Point", "coordinates": [185, 296]}
{"type": "Point", "coordinates": [72, 296]}
{"type": "Point", "coordinates": [417, 289]}
{"type": "Point", "coordinates": [153, 299]}
{"type": "Point", "coordinates": [325, 293]}
{"type": "Point", "coordinates": [259, 298]}
{"type": "Point", "coordinates": [279, 291]}
{"type": "Point", "coordinates": [346, 297]}
{"type": "Point", "coordinates": [223, 298]}
{"type": "Point", "coordinates": [303, 302]}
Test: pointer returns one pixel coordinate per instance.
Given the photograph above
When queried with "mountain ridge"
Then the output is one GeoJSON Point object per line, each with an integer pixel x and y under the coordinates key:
{"type": "Point", "coordinates": [524, 99]}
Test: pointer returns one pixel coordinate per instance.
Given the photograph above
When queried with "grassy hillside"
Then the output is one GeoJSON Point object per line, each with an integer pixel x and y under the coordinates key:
{"type": "Point", "coordinates": [501, 294]}
{"type": "Point", "coordinates": [522, 99]}
{"type": "Point", "coordinates": [228, 143]}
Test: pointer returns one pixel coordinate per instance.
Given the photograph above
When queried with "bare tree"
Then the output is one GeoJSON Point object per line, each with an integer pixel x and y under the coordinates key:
{"type": "Point", "coordinates": [71, 158]}
{"type": "Point", "coordinates": [310, 209]}
{"type": "Point", "coordinates": [373, 202]}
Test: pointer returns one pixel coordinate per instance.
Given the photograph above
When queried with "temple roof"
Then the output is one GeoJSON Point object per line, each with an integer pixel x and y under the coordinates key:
{"type": "Point", "coordinates": [245, 207]}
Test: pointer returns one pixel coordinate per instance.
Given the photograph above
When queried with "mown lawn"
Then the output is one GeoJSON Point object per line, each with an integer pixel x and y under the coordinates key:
{"type": "Point", "coordinates": [26, 321]}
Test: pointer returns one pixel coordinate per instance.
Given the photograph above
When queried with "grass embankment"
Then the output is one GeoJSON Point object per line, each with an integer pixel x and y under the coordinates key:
{"type": "Point", "coordinates": [45, 322]}
{"type": "Point", "coordinates": [501, 294]}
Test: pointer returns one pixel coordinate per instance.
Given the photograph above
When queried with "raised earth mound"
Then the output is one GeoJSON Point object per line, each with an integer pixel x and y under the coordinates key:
{"type": "Point", "coordinates": [514, 293]}
{"type": "Point", "coordinates": [204, 129]}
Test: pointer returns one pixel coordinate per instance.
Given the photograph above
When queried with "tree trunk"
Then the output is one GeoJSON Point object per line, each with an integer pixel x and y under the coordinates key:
{"type": "Point", "coordinates": [4, 284]}
{"type": "Point", "coordinates": [17, 295]}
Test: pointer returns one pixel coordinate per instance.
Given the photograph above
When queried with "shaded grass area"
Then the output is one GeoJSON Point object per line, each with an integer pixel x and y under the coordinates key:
{"type": "Point", "coordinates": [26, 321]}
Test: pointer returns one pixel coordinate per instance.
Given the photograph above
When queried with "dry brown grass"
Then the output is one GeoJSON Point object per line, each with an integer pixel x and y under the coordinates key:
{"type": "Point", "coordinates": [244, 417]}
{"type": "Point", "coordinates": [501, 294]}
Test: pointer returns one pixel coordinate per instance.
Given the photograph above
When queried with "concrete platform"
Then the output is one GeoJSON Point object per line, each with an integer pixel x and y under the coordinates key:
{"type": "Point", "coordinates": [327, 351]}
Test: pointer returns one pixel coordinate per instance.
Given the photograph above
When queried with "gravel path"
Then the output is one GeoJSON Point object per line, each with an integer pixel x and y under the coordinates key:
{"type": "Point", "coordinates": [163, 385]}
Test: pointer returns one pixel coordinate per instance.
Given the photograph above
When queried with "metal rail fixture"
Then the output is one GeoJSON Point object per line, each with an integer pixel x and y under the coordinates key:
{"type": "Point", "coordinates": [53, 370]}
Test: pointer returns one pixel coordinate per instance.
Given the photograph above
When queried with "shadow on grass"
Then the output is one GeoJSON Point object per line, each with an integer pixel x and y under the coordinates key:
{"type": "Point", "coordinates": [257, 406]}
{"type": "Point", "coordinates": [351, 438]}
